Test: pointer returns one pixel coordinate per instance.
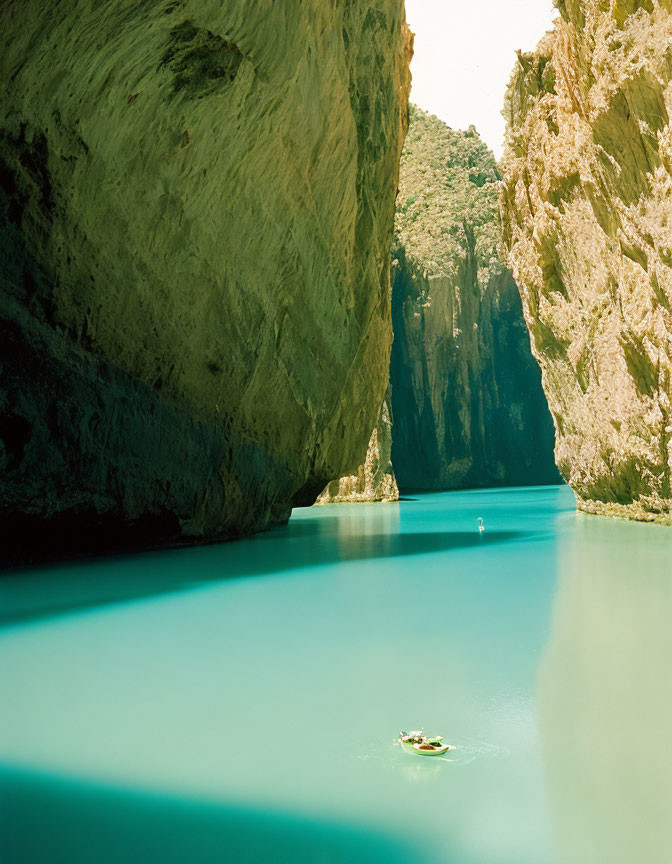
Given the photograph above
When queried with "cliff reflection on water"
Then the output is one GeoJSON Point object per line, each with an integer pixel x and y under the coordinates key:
{"type": "Point", "coordinates": [605, 694]}
{"type": "Point", "coordinates": [131, 689]}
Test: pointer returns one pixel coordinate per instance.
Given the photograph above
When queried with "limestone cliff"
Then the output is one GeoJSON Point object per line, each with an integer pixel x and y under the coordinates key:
{"type": "Point", "coordinates": [374, 480]}
{"type": "Point", "coordinates": [586, 208]}
{"type": "Point", "coordinates": [196, 205]}
{"type": "Point", "coordinates": [466, 396]}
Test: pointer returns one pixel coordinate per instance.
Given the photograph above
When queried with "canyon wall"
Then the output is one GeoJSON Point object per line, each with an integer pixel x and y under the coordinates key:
{"type": "Point", "coordinates": [374, 479]}
{"type": "Point", "coordinates": [587, 219]}
{"type": "Point", "coordinates": [196, 206]}
{"type": "Point", "coordinates": [467, 403]}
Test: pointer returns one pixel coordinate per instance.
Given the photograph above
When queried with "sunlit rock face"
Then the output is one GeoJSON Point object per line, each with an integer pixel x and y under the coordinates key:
{"type": "Point", "coordinates": [374, 480]}
{"type": "Point", "coordinates": [586, 208]}
{"type": "Point", "coordinates": [197, 201]}
{"type": "Point", "coordinates": [467, 403]}
{"type": "Point", "coordinates": [604, 700]}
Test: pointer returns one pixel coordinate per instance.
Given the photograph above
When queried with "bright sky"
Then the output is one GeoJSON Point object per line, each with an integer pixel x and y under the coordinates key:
{"type": "Point", "coordinates": [464, 54]}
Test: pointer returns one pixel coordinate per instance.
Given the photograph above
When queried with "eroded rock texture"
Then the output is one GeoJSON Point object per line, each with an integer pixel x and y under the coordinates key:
{"type": "Point", "coordinates": [374, 479]}
{"type": "Point", "coordinates": [196, 199]}
{"type": "Point", "coordinates": [587, 208]}
{"type": "Point", "coordinates": [467, 402]}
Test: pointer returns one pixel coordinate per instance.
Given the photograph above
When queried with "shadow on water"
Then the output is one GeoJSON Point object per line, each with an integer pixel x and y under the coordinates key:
{"type": "Point", "coordinates": [305, 543]}
{"type": "Point", "coordinates": [43, 818]}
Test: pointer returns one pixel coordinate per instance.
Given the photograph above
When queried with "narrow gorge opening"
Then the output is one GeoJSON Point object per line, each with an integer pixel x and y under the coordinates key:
{"type": "Point", "coordinates": [464, 407]}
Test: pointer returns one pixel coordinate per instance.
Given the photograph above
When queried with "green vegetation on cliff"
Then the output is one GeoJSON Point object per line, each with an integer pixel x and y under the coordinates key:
{"type": "Point", "coordinates": [447, 193]}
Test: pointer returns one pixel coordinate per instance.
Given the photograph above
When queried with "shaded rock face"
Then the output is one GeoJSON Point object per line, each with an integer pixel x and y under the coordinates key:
{"type": "Point", "coordinates": [196, 201]}
{"type": "Point", "coordinates": [467, 401]}
{"type": "Point", "coordinates": [586, 208]}
{"type": "Point", "coordinates": [374, 480]}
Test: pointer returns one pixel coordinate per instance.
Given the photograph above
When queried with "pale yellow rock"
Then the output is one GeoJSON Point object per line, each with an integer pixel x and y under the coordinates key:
{"type": "Point", "coordinates": [374, 480]}
{"type": "Point", "coordinates": [587, 210]}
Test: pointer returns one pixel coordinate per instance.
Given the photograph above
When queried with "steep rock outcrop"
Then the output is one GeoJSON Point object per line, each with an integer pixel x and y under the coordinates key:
{"type": "Point", "coordinates": [374, 479]}
{"type": "Point", "coordinates": [466, 396]}
{"type": "Point", "coordinates": [196, 202]}
{"type": "Point", "coordinates": [586, 208]}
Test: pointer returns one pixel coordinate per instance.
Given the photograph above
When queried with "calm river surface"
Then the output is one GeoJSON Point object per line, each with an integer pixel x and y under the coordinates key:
{"type": "Point", "coordinates": [239, 702]}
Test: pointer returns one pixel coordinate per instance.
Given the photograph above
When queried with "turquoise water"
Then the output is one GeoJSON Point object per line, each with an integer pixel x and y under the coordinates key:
{"type": "Point", "coordinates": [239, 702]}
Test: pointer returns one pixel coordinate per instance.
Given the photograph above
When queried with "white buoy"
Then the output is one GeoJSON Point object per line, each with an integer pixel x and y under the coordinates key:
{"type": "Point", "coordinates": [481, 526]}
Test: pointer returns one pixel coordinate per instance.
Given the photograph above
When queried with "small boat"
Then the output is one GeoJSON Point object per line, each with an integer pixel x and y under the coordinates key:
{"type": "Point", "coordinates": [422, 745]}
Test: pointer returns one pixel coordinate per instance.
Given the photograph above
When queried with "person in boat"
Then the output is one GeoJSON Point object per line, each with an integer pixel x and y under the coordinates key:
{"type": "Point", "coordinates": [419, 742]}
